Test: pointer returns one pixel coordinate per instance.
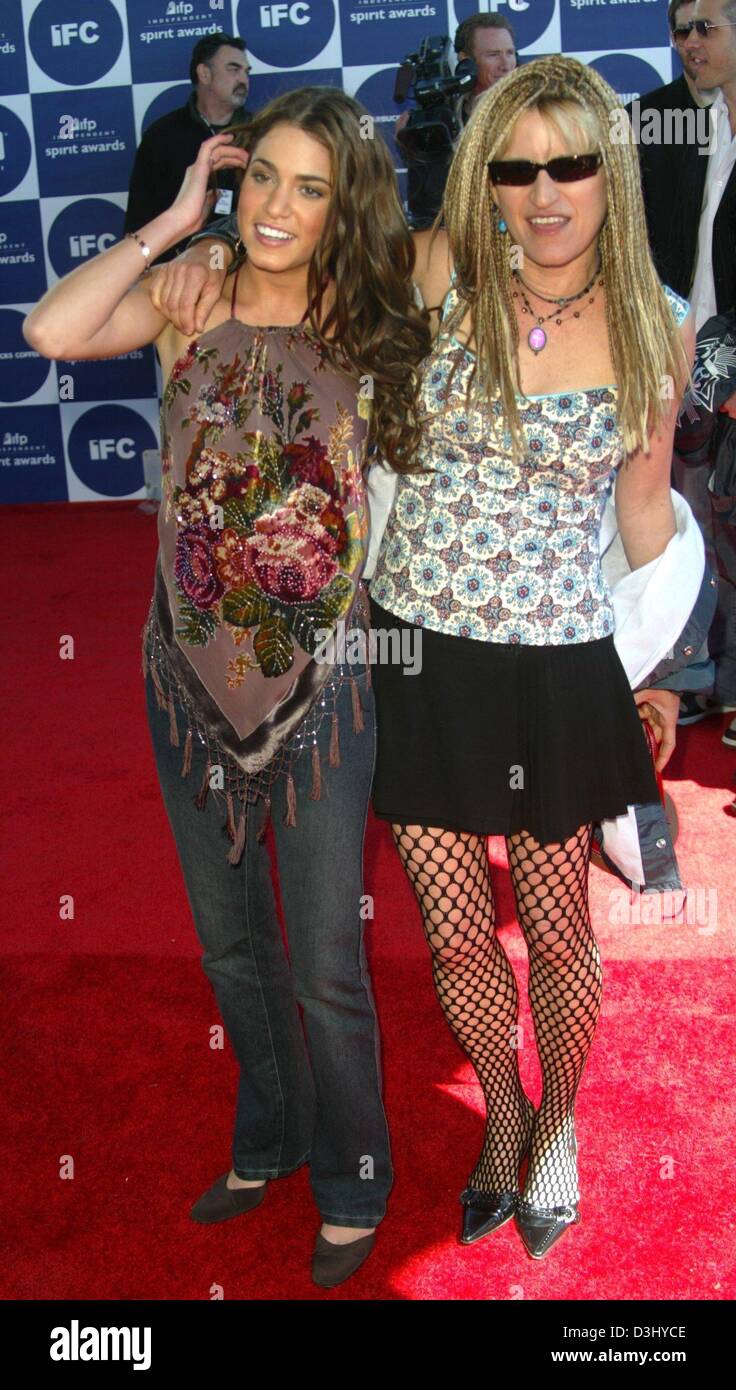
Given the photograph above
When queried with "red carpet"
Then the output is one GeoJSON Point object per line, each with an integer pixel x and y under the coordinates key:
{"type": "Point", "coordinates": [106, 1019]}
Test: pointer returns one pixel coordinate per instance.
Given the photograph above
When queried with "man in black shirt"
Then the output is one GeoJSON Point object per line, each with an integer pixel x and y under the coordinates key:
{"type": "Point", "coordinates": [219, 74]}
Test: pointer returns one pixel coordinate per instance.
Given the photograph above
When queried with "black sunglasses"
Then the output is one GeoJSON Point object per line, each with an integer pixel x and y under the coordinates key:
{"type": "Point", "coordinates": [566, 168]}
{"type": "Point", "coordinates": [703, 27]}
{"type": "Point", "coordinates": [681, 31]}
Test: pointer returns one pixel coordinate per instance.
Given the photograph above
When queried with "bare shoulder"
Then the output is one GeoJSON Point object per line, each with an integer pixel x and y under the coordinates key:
{"type": "Point", "coordinates": [433, 265]}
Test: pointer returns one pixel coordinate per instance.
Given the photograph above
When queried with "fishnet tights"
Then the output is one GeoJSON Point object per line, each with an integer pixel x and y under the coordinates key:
{"type": "Point", "coordinates": [476, 988]}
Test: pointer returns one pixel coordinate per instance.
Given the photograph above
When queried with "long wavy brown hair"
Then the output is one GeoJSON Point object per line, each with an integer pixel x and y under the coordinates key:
{"type": "Point", "coordinates": [374, 329]}
{"type": "Point", "coordinates": [648, 358]}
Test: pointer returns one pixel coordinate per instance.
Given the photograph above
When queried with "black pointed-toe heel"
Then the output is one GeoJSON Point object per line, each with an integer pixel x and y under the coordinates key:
{"type": "Point", "coordinates": [486, 1212]}
{"type": "Point", "coordinates": [541, 1227]}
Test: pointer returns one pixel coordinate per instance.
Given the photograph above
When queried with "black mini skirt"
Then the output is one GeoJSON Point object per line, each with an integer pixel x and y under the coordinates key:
{"type": "Point", "coordinates": [494, 739]}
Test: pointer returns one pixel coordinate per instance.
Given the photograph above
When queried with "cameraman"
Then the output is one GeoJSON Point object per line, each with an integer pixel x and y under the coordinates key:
{"type": "Point", "coordinates": [489, 40]}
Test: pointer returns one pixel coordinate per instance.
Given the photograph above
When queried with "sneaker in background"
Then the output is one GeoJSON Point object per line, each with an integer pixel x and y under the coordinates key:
{"type": "Point", "coordinates": [693, 708]}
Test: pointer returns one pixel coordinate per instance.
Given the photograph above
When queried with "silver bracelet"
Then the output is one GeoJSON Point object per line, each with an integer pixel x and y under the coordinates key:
{"type": "Point", "coordinates": [145, 250]}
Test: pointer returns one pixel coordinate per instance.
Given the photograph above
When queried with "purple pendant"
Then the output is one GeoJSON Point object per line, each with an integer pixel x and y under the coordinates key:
{"type": "Point", "coordinates": [537, 339]}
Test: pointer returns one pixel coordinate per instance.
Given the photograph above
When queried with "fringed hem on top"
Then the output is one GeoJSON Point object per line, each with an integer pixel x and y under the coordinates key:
{"type": "Point", "coordinates": [222, 776]}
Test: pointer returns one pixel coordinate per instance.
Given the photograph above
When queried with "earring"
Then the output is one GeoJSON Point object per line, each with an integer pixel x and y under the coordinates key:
{"type": "Point", "coordinates": [502, 227]}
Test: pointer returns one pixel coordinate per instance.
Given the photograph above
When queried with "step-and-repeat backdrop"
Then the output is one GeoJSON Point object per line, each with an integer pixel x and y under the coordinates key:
{"type": "Point", "coordinates": [80, 80]}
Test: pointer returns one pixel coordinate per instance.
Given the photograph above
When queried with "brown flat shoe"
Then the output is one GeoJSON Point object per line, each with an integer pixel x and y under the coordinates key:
{"type": "Point", "coordinates": [220, 1202]}
{"type": "Point", "coordinates": [333, 1264]}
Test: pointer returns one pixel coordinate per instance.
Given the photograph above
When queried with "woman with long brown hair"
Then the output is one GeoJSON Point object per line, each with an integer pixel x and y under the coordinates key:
{"type": "Point", "coordinates": [262, 538]}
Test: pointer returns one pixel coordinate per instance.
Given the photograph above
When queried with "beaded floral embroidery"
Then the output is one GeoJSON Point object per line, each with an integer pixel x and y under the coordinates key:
{"type": "Point", "coordinates": [268, 536]}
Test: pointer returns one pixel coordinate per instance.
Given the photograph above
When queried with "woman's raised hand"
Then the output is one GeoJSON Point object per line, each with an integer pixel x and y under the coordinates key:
{"type": "Point", "coordinates": [186, 290]}
{"type": "Point", "coordinates": [197, 195]}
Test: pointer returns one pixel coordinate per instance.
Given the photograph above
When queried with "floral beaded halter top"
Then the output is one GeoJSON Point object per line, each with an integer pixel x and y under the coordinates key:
{"type": "Point", "coordinates": [263, 525]}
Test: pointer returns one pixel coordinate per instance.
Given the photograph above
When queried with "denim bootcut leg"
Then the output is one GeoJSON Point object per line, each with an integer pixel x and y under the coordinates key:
{"type": "Point", "coordinates": [320, 1102]}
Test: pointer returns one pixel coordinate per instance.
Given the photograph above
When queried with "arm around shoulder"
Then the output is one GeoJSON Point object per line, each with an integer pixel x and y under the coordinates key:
{"type": "Point", "coordinates": [433, 266]}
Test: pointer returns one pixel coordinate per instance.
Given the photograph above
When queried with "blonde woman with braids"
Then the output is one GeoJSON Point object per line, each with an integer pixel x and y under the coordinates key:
{"type": "Point", "coordinates": [263, 533]}
{"type": "Point", "coordinates": [544, 383]}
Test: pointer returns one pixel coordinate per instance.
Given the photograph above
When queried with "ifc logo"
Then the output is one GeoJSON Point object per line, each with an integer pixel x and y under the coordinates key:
{"type": "Point", "coordinates": [82, 230]}
{"type": "Point", "coordinates": [75, 41]}
{"type": "Point", "coordinates": [529, 18]}
{"type": "Point", "coordinates": [286, 33]}
{"type": "Point", "coordinates": [106, 448]}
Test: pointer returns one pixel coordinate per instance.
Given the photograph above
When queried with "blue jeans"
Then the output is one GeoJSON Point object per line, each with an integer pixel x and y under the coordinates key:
{"type": "Point", "coordinates": [316, 1100]}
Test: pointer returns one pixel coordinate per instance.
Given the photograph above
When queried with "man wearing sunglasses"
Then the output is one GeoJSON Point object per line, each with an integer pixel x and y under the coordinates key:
{"type": "Point", "coordinates": [673, 175]}
{"type": "Point", "coordinates": [710, 48]}
{"type": "Point", "coordinates": [690, 199]}
{"type": "Point", "coordinates": [679, 18]}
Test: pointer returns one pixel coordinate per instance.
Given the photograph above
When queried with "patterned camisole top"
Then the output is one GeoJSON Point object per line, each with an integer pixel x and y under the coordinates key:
{"type": "Point", "coordinates": [486, 548]}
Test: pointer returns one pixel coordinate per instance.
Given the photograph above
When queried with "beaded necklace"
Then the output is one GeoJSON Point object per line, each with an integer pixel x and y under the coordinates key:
{"type": "Point", "coordinates": [537, 338]}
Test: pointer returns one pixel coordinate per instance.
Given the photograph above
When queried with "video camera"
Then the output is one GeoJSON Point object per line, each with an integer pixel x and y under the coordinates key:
{"type": "Point", "coordinates": [428, 139]}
